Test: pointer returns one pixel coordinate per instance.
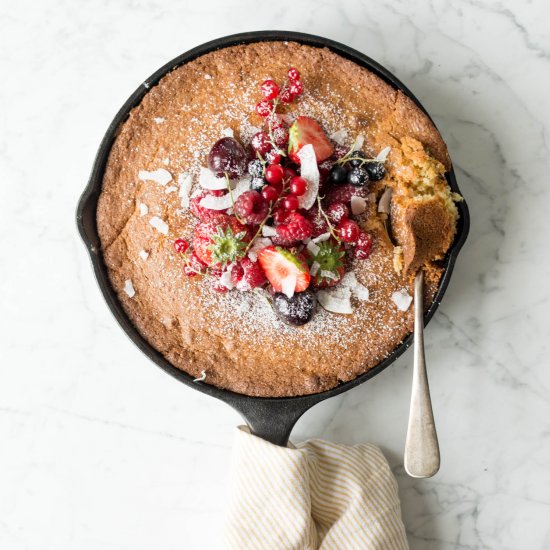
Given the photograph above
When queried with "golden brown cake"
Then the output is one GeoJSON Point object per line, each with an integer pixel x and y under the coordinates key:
{"type": "Point", "coordinates": [233, 339]}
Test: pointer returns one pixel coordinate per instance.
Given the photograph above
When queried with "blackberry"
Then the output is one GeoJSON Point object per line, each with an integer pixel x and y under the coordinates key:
{"type": "Point", "coordinates": [338, 175]}
{"type": "Point", "coordinates": [297, 310]}
{"type": "Point", "coordinates": [257, 183]}
{"type": "Point", "coordinates": [358, 177]}
{"type": "Point", "coordinates": [255, 168]}
{"type": "Point", "coordinates": [375, 170]}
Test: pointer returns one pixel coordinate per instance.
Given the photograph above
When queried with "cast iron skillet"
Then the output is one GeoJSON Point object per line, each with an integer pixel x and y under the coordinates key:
{"type": "Point", "coordinates": [269, 418]}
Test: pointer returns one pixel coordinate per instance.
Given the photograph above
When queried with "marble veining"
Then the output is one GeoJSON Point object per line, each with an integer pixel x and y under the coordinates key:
{"type": "Point", "coordinates": [99, 450]}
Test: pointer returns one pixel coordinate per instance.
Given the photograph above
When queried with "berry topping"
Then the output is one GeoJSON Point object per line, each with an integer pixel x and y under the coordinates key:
{"type": "Point", "coordinates": [327, 263]}
{"type": "Point", "coordinates": [269, 193]}
{"type": "Point", "coordinates": [290, 203]}
{"type": "Point", "coordinates": [220, 242]}
{"type": "Point", "coordinates": [280, 214]}
{"type": "Point", "coordinates": [337, 212]}
{"type": "Point", "coordinates": [255, 168]}
{"type": "Point", "coordinates": [358, 177]}
{"type": "Point", "coordinates": [343, 193]}
{"type": "Point", "coordinates": [282, 268]}
{"type": "Point", "coordinates": [348, 231]}
{"type": "Point", "coordinates": [295, 228]}
{"type": "Point", "coordinates": [280, 137]}
{"type": "Point", "coordinates": [257, 183]}
{"type": "Point", "coordinates": [293, 74]}
{"type": "Point", "coordinates": [304, 131]}
{"type": "Point", "coordinates": [296, 88]}
{"type": "Point", "coordinates": [287, 96]}
{"type": "Point", "coordinates": [289, 173]}
{"type": "Point", "coordinates": [318, 222]}
{"type": "Point", "coordinates": [227, 156]}
{"type": "Point", "coordinates": [357, 158]}
{"type": "Point", "coordinates": [194, 266]}
{"type": "Point", "coordinates": [260, 142]}
{"type": "Point", "coordinates": [181, 245]}
{"type": "Point", "coordinates": [247, 275]}
{"type": "Point", "coordinates": [273, 157]}
{"type": "Point", "coordinates": [375, 170]}
{"type": "Point", "coordinates": [251, 207]}
{"type": "Point", "coordinates": [204, 214]}
{"type": "Point", "coordinates": [363, 246]}
{"type": "Point", "coordinates": [270, 89]}
{"type": "Point", "coordinates": [274, 174]}
{"type": "Point", "coordinates": [338, 175]}
{"type": "Point", "coordinates": [295, 311]}
{"type": "Point", "coordinates": [298, 186]}
{"type": "Point", "coordinates": [264, 108]}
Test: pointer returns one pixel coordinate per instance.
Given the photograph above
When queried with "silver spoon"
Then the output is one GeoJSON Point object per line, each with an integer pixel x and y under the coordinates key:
{"type": "Point", "coordinates": [421, 447]}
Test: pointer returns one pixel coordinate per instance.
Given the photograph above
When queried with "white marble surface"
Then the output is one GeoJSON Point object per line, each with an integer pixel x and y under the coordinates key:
{"type": "Point", "coordinates": [101, 450]}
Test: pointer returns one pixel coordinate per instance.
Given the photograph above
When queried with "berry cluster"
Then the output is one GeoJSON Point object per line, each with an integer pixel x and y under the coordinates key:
{"type": "Point", "coordinates": [311, 242]}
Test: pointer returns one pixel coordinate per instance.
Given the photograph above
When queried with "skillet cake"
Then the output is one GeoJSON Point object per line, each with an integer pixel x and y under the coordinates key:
{"type": "Point", "coordinates": [254, 217]}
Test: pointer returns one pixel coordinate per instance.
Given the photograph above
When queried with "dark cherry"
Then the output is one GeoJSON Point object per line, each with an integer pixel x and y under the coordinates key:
{"type": "Point", "coordinates": [227, 155]}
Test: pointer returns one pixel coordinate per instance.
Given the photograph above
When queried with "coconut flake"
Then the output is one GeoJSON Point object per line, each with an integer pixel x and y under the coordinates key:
{"type": "Point", "coordinates": [171, 189]}
{"type": "Point", "coordinates": [160, 176]}
{"type": "Point", "coordinates": [310, 172]}
{"type": "Point", "coordinates": [314, 269]}
{"type": "Point", "coordinates": [216, 203]}
{"type": "Point", "coordinates": [336, 300]}
{"type": "Point", "coordinates": [201, 378]}
{"type": "Point", "coordinates": [359, 291]}
{"type": "Point", "coordinates": [385, 199]}
{"type": "Point", "coordinates": [207, 77]}
{"type": "Point", "coordinates": [358, 205]}
{"type": "Point", "coordinates": [207, 180]}
{"type": "Point", "coordinates": [143, 209]}
{"type": "Point", "coordinates": [340, 136]}
{"type": "Point", "coordinates": [143, 254]}
{"type": "Point", "coordinates": [185, 182]}
{"type": "Point", "coordinates": [259, 244]}
{"type": "Point", "coordinates": [242, 185]}
{"type": "Point", "coordinates": [129, 288]}
{"type": "Point", "coordinates": [159, 224]}
{"type": "Point", "coordinates": [227, 132]}
{"type": "Point", "coordinates": [225, 278]}
{"type": "Point", "coordinates": [312, 248]}
{"type": "Point", "coordinates": [159, 119]}
{"type": "Point", "coordinates": [268, 231]}
{"type": "Point", "coordinates": [358, 143]}
{"type": "Point", "coordinates": [288, 285]}
{"type": "Point", "coordinates": [402, 299]}
{"type": "Point", "coordinates": [383, 155]}
{"type": "Point", "coordinates": [321, 238]}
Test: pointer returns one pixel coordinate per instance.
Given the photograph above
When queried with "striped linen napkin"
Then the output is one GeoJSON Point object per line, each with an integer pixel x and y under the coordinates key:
{"type": "Point", "coordinates": [318, 495]}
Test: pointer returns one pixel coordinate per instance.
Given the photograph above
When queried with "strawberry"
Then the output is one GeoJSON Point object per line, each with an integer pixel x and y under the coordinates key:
{"type": "Point", "coordinates": [247, 275]}
{"type": "Point", "coordinates": [220, 241]}
{"type": "Point", "coordinates": [305, 131]}
{"type": "Point", "coordinates": [329, 263]}
{"type": "Point", "coordinates": [279, 263]}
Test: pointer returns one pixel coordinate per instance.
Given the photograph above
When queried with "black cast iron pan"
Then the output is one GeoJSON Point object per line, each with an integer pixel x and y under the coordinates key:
{"type": "Point", "coordinates": [269, 418]}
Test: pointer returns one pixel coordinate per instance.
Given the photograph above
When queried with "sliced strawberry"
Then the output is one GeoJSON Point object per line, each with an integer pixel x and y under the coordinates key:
{"type": "Point", "coordinates": [305, 131]}
{"type": "Point", "coordinates": [279, 264]}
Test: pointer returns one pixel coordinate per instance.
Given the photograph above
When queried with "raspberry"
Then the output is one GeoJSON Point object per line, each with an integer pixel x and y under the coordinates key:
{"type": "Point", "coordinates": [296, 88]}
{"type": "Point", "coordinates": [194, 266]}
{"type": "Point", "coordinates": [251, 207]}
{"type": "Point", "coordinates": [349, 231]}
{"type": "Point", "coordinates": [295, 228]}
{"type": "Point", "coordinates": [363, 246]}
{"type": "Point", "coordinates": [318, 221]}
{"type": "Point", "coordinates": [218, 287]}
{"type": "Point", "coordinates": [337, 212]}
{"type": "Point", "coordinates": [280, 214]}
{"type": "Point", "coordinates": [204, 214]}
{"type": "Point", "coordinates": [293, 74]}
{"type": "Point", "coordinates": [270, 89]}
{"type": "Point", "coordinates": [290, 203]}
{"type": "Point", "coordinates": [287, 96]}
{"type": "Point", "coordinates": [298, 186]}
{"type": "Point", "coordinates": [280, 136]}
{"type": "Point", "coordinates": [264, 108]}
{"type": "Point", "coordinates": [181, 245]}
{"type": "Point", "coordinates": [269, 193]}
{"type": "Point", "coordinates": [274, 174]}
{"type": "Point", "coordinates": [260, 143]}
{"type": "Point", "coordinates": [247, 275]}
{"type": "Point", "coordinates": [343, 193]}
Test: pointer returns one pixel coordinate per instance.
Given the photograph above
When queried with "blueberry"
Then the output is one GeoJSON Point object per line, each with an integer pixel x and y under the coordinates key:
{"type": "Point", "coordinates": [358, 177]}
{"type": "Point", "coordinates": [338, 175]}
{"type": "Point", "coordinates": [375, 170]}
{"type": "Point", "coordinates": [255, 168]}
{"type": "Point", "coordinates": [297, 310]}
{"type": "Point", "coordinates": [356, 160]}
{"type": "Point", "coordinates": [257, 183]}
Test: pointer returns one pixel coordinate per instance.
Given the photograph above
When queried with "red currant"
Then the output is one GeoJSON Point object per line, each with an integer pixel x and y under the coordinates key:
{"type": "Point", "coordinates": [260, 143]}
{"type": "Point", "coordinates": [264, 107]}
{"type": "Point", "coordinates": [290, 203]}
{"type": "Point", "coordinates": [296, 88]}
{"type": "Point", "coordinates": [269, 193]}
{"type": "Point", "coordinates": [293, 74]}
{"type": "Point", "coordinates": [280, 137]}
{"type": "Point", "coordinates": [181, 245]}
{"type": "Point", "coordinates": [337, 212]}
{"type": "Point", "coordinates": [280, 215]}
{"type": "Point", "coordinates": [287, 96]}
{"type": "Point", "coordinates": [273, 157]}
{"type": "Point", "coordinates": [298, 186]}
{"type": "Point", "coordinates": [274, 173]}
{"type": "Point", "coordinates": [289, 173]}
{"type": "Point", "coordinates": [217, 192]}
{"type": "Point", "coordinates": [270, 89]}
{"type": "Point", "coordinates": [363, 246]}
{"type": "Point", "coordinates": [348, 231]}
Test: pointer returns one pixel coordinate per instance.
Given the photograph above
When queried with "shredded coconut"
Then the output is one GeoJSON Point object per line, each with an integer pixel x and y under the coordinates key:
{"type": "Point", "coordinates": [143, 254]}
{"type": "Point", "coordinates": [402, 299]}
{"type": "Point", "coordinates": [159, 224]}
{"type": "Point", "coordinates": [143, 209]}
{"type": "Point", "coordinates": [129, 288]}
{"type": "Point", "coordinates": [160, 176]}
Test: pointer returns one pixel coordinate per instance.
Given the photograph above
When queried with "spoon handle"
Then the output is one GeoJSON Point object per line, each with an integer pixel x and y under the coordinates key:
{"type": "Point", "coordinates": [421, 447]}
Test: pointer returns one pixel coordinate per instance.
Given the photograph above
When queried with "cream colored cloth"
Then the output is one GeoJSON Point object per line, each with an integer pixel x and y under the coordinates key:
{"type": "Point", "coordinates": [319, 495]}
